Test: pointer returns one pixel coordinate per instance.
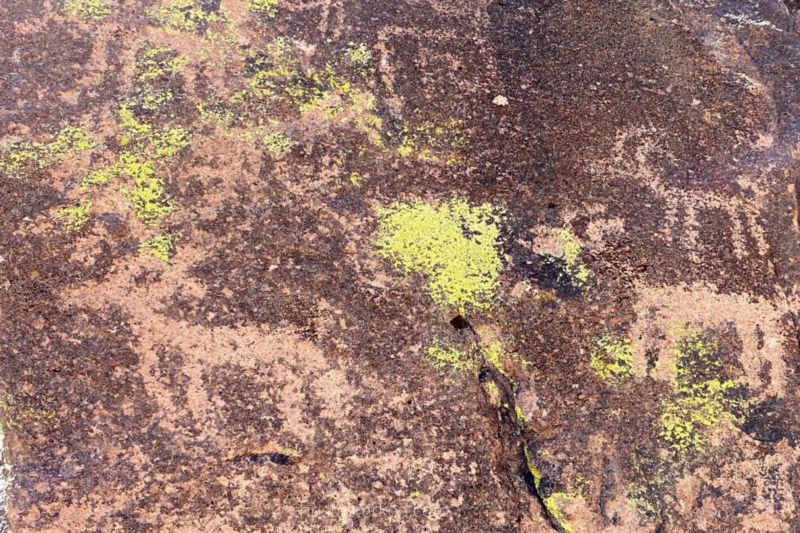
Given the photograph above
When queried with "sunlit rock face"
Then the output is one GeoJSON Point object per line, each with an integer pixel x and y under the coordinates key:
{"type": "Point", "coordinates": [399, 266]}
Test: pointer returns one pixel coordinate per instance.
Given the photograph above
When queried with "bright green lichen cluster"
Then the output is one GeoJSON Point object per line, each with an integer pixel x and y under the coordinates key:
{"type": "Point", "coordinates": [184, 15]}
{"type": "Point", "coordinates": [70, 140]}
{"type": "Point", "coordinates": [277, 76]}
{"type": "Point", "coordinates": [75, 217]}
{"type": "Point", "coordinates": [217, 115]}
{"type": "Point", "coordinates": [359, 54]}
{"type": "Point", "coordinates": [553, 505]}
{"type": "Point", "coordinates": [132, 127]}
{"type": "Point", "coordinates": [277, 144]}
{"type": "Point", "coordinates": [270, 71]}
{"type": "Point", "coordinates": [364, 112]}
{"type": "Point", "coordinates": [147, 149]}
{"type": "Point", "coordinates": [267, 7]}
{"type": "Point", "coordinates": [168, 142]}
{"type": "Point", "coordinates": [157, 62]}
{"type": "Point", "coordinates": [522, 419]}
{"type": "Point", "coordinates": [612, 358]}
{"type": "Point", "coordinates": [493, 353]}
{"type": "Point", "coordinates": [19, 158]}
{"type": "Point", "coordinates": [99, 176]}
{"type": "Point", "coordinates": [147, 194]}
{"type": "Point", "coordinates": [161, 146]}
{"type": "Point", "coordinates": [702, 401]}
{"type": "Point", "coordinates": [571, 250]}
{"type": "Point", "coordinates": [160, 246]}
{"type": "Point", "coordinates": [153, 100]}
{"type": "Point", "coordinates": [532, 468]}
{"type": "Point", "coordinates": [88, 9]}
{"type": "Point", "coordinates": [443, 356]}
{"type": "Point", "coordinates": [454, 245]}
{"type": "Point", "coordinates": [278, 82]}
{"type": "Point", "coordinates": [154, 143]}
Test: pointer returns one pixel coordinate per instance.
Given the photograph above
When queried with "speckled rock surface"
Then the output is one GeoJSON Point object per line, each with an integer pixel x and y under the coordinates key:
{"type": "Point", "coordinates": [363, 266]}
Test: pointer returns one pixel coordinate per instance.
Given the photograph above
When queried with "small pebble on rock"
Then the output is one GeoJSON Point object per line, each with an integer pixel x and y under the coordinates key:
{"type": "Point", "coordinates": [500, 100]}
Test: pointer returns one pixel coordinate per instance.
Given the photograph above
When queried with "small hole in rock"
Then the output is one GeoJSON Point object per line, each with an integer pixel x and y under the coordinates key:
{"type": "Point", "coordinates": [459, 322]}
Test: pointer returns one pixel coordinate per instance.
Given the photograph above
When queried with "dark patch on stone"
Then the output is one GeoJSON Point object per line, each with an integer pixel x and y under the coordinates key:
{"type": "Point", "coordinates": [460, 324]}
{"type": "Point", "coordinates": [262, 458]}
{"type": "Point", "coordinates": [48, 61]}
{"type": "Point", "coordinates": [210, 6]}
{"type": "Point", "coordinates": [767, 421]}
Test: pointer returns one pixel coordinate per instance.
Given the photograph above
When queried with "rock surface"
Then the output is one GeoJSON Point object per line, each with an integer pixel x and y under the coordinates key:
{"type": "Point", "coordinates": [276, 266]}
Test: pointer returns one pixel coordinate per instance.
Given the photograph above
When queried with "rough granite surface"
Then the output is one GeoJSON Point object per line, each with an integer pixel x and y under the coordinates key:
{"type": "Point", "coordinates": [400, 266]}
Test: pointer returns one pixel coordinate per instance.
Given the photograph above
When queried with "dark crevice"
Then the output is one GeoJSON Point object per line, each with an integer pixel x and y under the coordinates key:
{"type": "Point", "coordinates": [510, 435]}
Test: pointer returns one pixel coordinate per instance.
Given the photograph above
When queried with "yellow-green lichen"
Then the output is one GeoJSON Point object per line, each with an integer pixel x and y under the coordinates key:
{"type": "Point", "coordinates": [454, 245]}
{"type": "Point", "coordinates": [16, 416]}
{"type": "Point", "coordinates": [443, 356]}
{"type": "Point", "coordinates": [642, 506]}
{"type": "Point", "coordinates": [277, 144]}
{"type": "Point", "coordinates": [158, 63]}
{"type": "Point", "coordinates": [74, 218]}
{"type": "Point", "coordinates": [146, 150]}
{"type": "Point", "coordinates": [279, 84]}
{"type": "Point", "coordinates": [217, 115]}
{"type": "Point", "coordinates": [154, 69]}
{"type": "Point", "coordinates": [160, 246]}
{"type": "Point", "coordinates": [147, 194]}
{"type": "Point", "coordinates": [522, 419]}
{"type": "Point", "coordinates": [89, 9]}
{"type": "Point", "coordinates": [70, 140]}
{"type": "Point", "coordinates": [554, 503]}
{"type": "Point", "coordinates": [429, 141]}
{"type": "Point", "coordinates": [493, 352]}
{"type": "Point", "coordinates": [267, 7]}
{"type": "Point", "coordinates": [702, 400]}
{"type": "Point", "coordinates": [359, 54]}
{"type": "Point", "coordinates": [533, 469]}
{"type": "Point", "coordinates": [153, 100]}
{"type": "Point", "coordinates": [19, 158]}
{"type": "Point", "coordinates": [363, 108]}
{"type": "Point", "coordinates": [184, 15]}
{"type": "Point", "coordinates": [356, 179]}
{"type": "Point", "coordinates": [169, 141]}
{"type": "Point", "coordinates": [493, 392]}
{"type": "Point", "coordinates": [99, 176]}
{"type": "Point", "coordinates": [612, 358]}
{"type": "Point", "coordinates": [495, 355]}
{"type": "Point", "coordinates": [154, 143]}
{"type": "Point", "coordinates": [130, 125]}
{"type": "Point", "coordinates": [406, 147]}
{"type": "Point", "coordinates": [571, 250]}
{"type": "Point", "coordinates": [272, 69]}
